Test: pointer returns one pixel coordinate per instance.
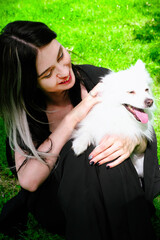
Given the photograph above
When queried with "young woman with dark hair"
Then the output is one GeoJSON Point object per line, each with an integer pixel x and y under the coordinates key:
{"type": "Point", "coordinates": [42, 99]}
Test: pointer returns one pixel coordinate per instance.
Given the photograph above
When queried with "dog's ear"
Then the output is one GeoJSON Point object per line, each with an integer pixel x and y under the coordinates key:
{"type": "Point", "coordinates": [140, 67]}
{"type": "Point", "coordinates": [140, 64]}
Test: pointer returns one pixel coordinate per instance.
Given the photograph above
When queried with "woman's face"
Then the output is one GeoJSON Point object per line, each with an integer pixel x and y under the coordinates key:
{"type": "Point", "coordinates": [54, 68]}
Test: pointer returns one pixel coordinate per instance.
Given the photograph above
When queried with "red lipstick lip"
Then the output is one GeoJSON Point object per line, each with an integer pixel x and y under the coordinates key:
{"type": "Point", "coordinates": [65, 82]}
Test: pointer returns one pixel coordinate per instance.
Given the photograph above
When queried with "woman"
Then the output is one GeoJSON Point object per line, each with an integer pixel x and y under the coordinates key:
{"type": "Point", "coordinates": [45, 98]}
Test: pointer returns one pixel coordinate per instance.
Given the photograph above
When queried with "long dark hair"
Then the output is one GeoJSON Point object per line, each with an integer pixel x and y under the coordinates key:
{"type": "Point", "coordinates": [19, 95]}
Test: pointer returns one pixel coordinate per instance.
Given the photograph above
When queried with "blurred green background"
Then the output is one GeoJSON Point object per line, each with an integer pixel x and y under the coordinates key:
{"type": "Point", "coordinates": [108, 33]}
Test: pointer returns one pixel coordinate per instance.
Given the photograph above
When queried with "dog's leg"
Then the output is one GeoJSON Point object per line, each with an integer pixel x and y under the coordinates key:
{"type": "Point", "coordinates": [81, 142]}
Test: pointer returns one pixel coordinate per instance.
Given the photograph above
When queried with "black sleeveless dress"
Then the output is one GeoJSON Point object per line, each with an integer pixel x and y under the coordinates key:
{"type": "Point", "coordinates": [87, 202]}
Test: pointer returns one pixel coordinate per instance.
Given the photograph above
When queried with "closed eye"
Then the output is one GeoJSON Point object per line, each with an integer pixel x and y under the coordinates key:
{"type": "Point", "coordinates": [60, 55]}
{"type": "Point", "coordinates": [49, 75]}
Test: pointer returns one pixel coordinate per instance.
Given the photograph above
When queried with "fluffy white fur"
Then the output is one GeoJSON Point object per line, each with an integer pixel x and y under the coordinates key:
{"type": "Point", "coordinates": [111, 117]}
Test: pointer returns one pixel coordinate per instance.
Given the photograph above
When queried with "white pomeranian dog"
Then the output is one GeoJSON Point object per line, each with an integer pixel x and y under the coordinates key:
{"type": "Point", "coordinates": [126, 110]}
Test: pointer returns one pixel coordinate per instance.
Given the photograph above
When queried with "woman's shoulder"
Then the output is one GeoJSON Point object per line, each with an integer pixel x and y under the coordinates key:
{"type": "Point", "coordinates": [92, 74]}
{"type": "Point", "coordinates": [92, 70]}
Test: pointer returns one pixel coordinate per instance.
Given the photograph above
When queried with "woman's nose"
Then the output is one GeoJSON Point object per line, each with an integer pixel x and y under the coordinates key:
{"type": "Point", "coordinates": [62, 71]}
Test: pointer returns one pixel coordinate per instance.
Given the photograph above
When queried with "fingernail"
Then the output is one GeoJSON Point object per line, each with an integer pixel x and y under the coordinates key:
{"type": "Point", "coordinates": [91, 163]}
{"type": "Point", "coordinates": [107, 167]}
{"type": "Point", "coordinates": [97, 164]}
{"type": "Point", "coordinates": [90, 157]}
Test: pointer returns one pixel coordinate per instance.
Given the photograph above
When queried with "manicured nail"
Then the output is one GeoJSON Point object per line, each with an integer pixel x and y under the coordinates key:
{"type": "Point", "coordinates": [107, 167]}
{"type": "Point", "coordinates": [90, 157]}
{"type": "Point", "coordinates": [97, 164]}
{"type": "Point", "coordinates": [91, 163]}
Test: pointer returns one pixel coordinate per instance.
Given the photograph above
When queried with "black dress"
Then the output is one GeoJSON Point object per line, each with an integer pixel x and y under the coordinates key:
{"type": "Point", "coordinates": [91, 202]}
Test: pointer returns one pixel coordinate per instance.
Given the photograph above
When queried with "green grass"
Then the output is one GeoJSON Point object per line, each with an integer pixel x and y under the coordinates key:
{"type": "Point", "coordinates": [108, 33]}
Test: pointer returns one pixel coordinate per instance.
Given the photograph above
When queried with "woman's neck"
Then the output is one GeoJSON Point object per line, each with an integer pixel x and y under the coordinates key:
{"type": "Point", "coordinates": [58, 106]}
{"type": "Point", "coordinates": [58, 99]}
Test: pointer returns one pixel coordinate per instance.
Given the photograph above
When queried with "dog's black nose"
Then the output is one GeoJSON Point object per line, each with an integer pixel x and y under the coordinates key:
{"type": "Point", "coordinates": [148, 102]}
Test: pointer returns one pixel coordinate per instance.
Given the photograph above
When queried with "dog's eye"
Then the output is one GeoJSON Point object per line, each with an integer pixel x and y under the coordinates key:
{"type": "Point", "coordinates": [131, 92]}
{"type": "Point", "coordinates": [147, 90]}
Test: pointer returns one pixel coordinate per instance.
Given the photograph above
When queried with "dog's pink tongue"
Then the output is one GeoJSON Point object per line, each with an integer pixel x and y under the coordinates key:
{"type": "Point", "coordinates": [142, 116]}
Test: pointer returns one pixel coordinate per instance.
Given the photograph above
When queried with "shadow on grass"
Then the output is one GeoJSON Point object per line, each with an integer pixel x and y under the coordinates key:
{"type": "Point", "coordinates": [150, 33]}
{"type": "Point", "coordinates": [34, 231]}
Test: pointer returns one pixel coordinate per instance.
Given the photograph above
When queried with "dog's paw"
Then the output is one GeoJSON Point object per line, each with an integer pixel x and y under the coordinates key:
{"type": "Point", "coordinates": [79, 146]}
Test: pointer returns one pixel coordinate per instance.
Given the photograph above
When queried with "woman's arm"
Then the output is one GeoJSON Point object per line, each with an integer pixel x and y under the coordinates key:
{"type": "Point", "coordinates": [34, 173]}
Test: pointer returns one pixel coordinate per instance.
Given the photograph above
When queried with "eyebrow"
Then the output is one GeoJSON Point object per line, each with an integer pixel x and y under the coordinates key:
{"type": "Point", "coordinates": [60, 48]}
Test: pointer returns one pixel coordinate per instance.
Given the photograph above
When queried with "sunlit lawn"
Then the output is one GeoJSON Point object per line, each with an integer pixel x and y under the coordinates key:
{"type": "Point", "coordinates": [108, 33]}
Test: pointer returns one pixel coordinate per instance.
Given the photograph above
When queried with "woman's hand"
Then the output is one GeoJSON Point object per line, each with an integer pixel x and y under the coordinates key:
{"type": "Point", "coordinates": [114, 150]}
